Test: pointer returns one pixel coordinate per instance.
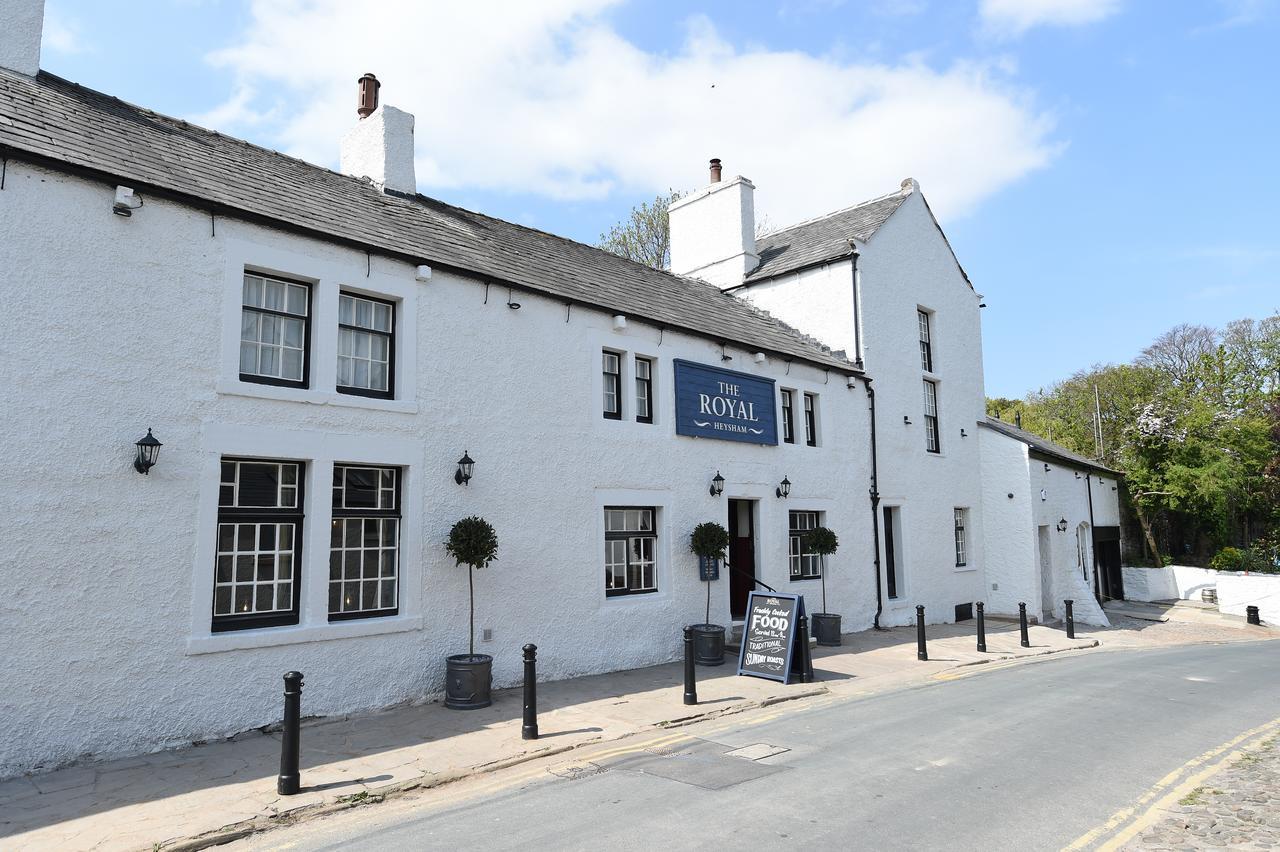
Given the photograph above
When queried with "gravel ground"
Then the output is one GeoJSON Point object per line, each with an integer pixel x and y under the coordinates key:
{"type": "Point", "coordinates": [1239, 808]}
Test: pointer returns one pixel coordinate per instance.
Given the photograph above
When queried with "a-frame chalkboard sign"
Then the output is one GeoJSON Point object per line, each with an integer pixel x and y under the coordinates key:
{"type": "Point", "coordinates": [769, 636]}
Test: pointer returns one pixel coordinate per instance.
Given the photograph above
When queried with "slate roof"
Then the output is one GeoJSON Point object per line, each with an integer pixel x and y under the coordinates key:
{"type": "Point", "coordinates": [826, 238]}
{"type": "Point", "coordinates": [1043, 447]}
{"type": "Point", "coordinates": [55, 122]}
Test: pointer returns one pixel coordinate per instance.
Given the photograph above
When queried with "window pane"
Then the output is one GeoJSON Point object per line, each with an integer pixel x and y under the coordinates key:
{"type": "Point", "coordinates": [253, 290]}
{"type": "Point", "coordinates": [346, 309]}
{"type": "Point", "coordinates": [273, 295]}
{"type": "Point", "coordinates": [297, 300]}
{"type": "Point", "coordinates": [382, 317]}
{"type": "Point", "coordinates": [248, 358]}
{"type": "Point", "coordinates": [364, 313]}
{"type": "Point", "coordinates": [378, 377]}
{"type": "Point", "coordinates": [291, 365]}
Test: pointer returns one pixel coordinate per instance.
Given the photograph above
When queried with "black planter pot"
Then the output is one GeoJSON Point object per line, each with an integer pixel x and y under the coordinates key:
{"type": "Point", "coordinates": [468, 678]}
{"type": "Point", "coordinates": [826, 628]}
{"type": "Point", "coordinates": [708, 644]}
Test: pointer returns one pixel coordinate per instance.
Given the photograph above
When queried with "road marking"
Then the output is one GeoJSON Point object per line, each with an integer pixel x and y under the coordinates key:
{"type": "Point", "coordinates": [1143, 812]}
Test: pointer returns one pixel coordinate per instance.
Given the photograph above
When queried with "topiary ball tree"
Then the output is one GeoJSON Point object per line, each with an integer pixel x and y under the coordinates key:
{"type": "Point", "coordinates": [822, 541]}
{"type": "Point", "coordinates": [472, 542]}
{"type": "Point", "coordinates": [709, 541]}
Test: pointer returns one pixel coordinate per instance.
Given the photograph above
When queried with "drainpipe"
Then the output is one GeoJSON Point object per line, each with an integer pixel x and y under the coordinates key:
{"type": "Point", "coordinates": [874, 492]}
{"type": "Point", "coordinates": [857, 312]}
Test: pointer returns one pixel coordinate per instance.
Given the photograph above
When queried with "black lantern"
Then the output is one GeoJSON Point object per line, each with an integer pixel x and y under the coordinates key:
{"type": "Point", "coordinates": [148, 453]}
{"type": "Point", "coordinates": [784, 489]}
{"type": "Point", "coordinates": [465, 464]}
{"type": "Point", "coordinates": [1062, 525]}
{"type": "Point", "coordinates": [717, 485]}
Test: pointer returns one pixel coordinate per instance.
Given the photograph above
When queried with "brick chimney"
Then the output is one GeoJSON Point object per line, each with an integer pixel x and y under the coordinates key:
{"type": "Point", "coordinates": [380, 146]}
{"type": "Point", "coordinates": [713, 231]}
{"type": "Point", "coordinates": [21, 26]}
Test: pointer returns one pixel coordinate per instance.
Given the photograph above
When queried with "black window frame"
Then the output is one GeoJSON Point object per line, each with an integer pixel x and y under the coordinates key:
{"type": "Point", "coordinates": [396, 512]}
{"type": "Point", "coordinates": [795, 537]}
{"type": "Point", "coordinates": [627, 535]}
{"type": "Point", "coordinates": [390, 392]}
{"type": "Point", "coordinates": [647, 384]}
{"type": "Point", "coordinates": [254, 515]}
{"type": "Point", "coordinates": [614, 379]}
{"type": "Point", "coordinates": [961, 517]}
{"type": "Point", "coordinates": [811, 419]}
{"type": "Point", "coordinates": [254, 378]}
{"type": "Point", "coordinates": [932, 434]}
{"type": "Point", "coordinates": [788, 417]}
{"type": "Point", "coordinates": [924, 320]}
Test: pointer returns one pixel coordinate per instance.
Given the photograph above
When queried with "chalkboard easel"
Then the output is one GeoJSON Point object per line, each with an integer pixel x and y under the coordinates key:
{"type": "Point", "coordinates": [770, 637]}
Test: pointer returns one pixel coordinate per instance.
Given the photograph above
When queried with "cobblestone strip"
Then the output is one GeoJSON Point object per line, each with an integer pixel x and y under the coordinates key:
{"type": "Point", "coordinates": [1238, 808]}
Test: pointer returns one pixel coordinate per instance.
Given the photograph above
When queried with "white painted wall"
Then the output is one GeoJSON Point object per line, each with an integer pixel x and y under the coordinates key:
{"type": "Point", "coordinates": [1008, 532]}
{"type": "Point", "coordinates": [133, 325]}
{"type": "Point", "coordinates": [1056, 494]}
{"type": "Point", "coordinates": [713, 234]}
{"type": "Point", "coordinates": [380, 147]}
{"type": "Point", "coordinates": [1236, 590]}
{"type": "Point", "coordinates": [21, 26]}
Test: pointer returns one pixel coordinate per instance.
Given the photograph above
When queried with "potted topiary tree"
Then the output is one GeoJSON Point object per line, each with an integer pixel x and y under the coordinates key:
{"type": "Point", "coordinates": [826, 625]}
{"type": "Point", "coordinates": [709, 541]}
{"type": "Point", "coordinates": [469, 677]}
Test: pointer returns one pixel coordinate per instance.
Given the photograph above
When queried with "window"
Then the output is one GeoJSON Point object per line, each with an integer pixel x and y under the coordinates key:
{"type": "Point", "coordinates": [926, 345]}
{"type": "Point", "coordinates": [803, 566]}
{"type": "Point", "coordinates": [366, 346]}
{"type": "Point", "coordinates": [629, 542]}
{"type": "Point", "coordinates": [274, 331]}
{"type": "Point", "coordinates": [644, 390]}
{"type": "Point", "coordinates": [364, 542]}
{"type": "Point", "coordinates": [962, 553]}
{"type": "Point", "coordinates": [892, 562]}
{"type": "Point", "coordinates": [612, 386]}
{"type": "Point", "coordinates": [810, 421]}
{"type": "Point", "coordinates": [788, 422]}
{"type": "Point", "coordinates": [259, 544]}
{"type": "Point", "coordinates": [931, 417]}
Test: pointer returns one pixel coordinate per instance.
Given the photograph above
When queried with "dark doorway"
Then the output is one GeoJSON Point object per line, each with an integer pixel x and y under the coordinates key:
{"type": "Point", "coordinates": [891, 576]}
{"type": "Point", "coordinates": [1106, 555]}
{"type": "Point", "coordinates": [742, 555]}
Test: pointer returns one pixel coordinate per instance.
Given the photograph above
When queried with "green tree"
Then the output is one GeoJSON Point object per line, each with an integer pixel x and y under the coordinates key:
{"type": "Point", "coordinates": [645, 235]}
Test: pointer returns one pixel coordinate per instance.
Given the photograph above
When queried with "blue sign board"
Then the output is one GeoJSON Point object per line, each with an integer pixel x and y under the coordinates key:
{"type": "Point", "coordinates": [712, 402]}
{"type": "Point", "coordinates": [708, 568]}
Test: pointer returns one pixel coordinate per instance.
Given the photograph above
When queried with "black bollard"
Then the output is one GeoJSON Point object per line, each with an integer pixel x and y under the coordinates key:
{"type": "Point", "coordinates": [690, 685]}
{"type": "Point", "coordinates": [1251, 615]}
{"type": "Point", "coordinates": [982, 628]}
{"type": "Point", "coordinates": [289, 781]}
{"type": "Point", "coordinates": [806, 656]}
{"type": "Point", "coordinates": [1071, 620]}
{"type": "Point", "coordinates": [1022, 625]}
{"type": "Point", "coordinates": [529, 731]}
{"type": "Point", "coordinates": [921, 652]}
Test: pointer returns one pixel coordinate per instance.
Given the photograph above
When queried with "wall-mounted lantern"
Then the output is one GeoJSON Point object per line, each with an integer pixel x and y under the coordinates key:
{"type": "Point", "coordinates": [1046, 467]}
{"type": "Point", "coordinates": [906, 420]}
{"type": "Point", "coordinates": [784, 489]}
{"type": "Point", "coordinates": [465, 465]}
{"type": "Point", "coordinates": [148, 453]}
{"type": "Point", "coordinates": [963, 434]}
{"type": "Point", "coordinates": [1062, 525]}
{"type": "Point", "coordinates": [717, 485]}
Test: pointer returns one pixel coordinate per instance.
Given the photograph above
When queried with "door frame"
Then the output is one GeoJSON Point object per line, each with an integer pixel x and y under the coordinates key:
{"type": "Point", "coordinates": [736, 581]}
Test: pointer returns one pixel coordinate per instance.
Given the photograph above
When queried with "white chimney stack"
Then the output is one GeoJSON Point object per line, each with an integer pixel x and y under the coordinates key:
{"type": "Point", "coordinates": [21, 25]}
{"type": "Point", "coordinates": [380, 146]}
{"type": "Point", "coordinates": [713, 231]}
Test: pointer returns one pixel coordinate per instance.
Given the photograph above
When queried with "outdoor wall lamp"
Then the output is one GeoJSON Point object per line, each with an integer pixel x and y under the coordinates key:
{"type": "Point", "coordinates": [784, 489]}
{"type": "Point", "coordinates": [1062, 525]}
{"type": "Point", "coordinates": [148, 452]}
{"type": "Point", "coordinates": [1046, 468]}
{"type": "Point", "coordinates": [717, 485]}
{"type": "Point", "coordinates": [963, 434]}
{"type": "Point", "coordinates": [906, 420]}
{"type": "Point", "coordinates": [465, 464]}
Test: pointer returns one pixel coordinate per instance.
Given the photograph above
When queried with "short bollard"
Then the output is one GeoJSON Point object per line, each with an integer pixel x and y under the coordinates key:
{"type": "Point", "coordinates": [1251, 615]}
{"type": "Point", "coordinates": [921, 652]}
{"type": "Point", "coordinates": [806, 656]}
{"type": "Point", "coordinates": [1022, 625]}
{"type": "Point", "coordinates": [289, 781]}
{"type": "Point", "coordinates": [1071, 620]}
{"type": "Point", "coordinates": [529, 730]}
{"type": "Point", "coordinates": [982, 628]}
{"type": "Point", "coordinates": [690, 685]}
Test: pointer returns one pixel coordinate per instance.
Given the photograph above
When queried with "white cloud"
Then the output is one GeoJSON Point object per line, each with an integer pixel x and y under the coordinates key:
{"type": "Point", "coordinates": [61, 33]}
{"type": "Point", "coordinates": [1015, 17]}
{"type": "Point", "coordinates": [548, 98]}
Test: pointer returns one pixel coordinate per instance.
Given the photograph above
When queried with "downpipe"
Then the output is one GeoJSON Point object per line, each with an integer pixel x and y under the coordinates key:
{"type": "Point", "coordinates": [874, 493]}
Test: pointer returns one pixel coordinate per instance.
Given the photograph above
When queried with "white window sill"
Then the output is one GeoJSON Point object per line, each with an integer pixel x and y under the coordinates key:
{"type": "Point", "coordinates": [314, 397]}
{"type": "Point", "coordinates": [965, 569]}
{"type": "Point", "coordinates": [268, 637]}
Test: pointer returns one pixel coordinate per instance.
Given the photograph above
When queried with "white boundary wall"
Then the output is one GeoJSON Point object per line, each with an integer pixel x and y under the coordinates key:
{"type": "Point", "coordinates": [1236, 590]}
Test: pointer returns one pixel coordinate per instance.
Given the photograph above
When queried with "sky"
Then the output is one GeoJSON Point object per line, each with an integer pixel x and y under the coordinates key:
{"type": "Point", "coordinates": [1104, 169]}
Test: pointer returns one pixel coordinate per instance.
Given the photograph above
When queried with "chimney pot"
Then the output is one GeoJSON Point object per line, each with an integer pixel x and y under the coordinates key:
{"type": "Point", "coordinates": [368, 99]}
{"type": "Point", "coordinates": [715, 169]}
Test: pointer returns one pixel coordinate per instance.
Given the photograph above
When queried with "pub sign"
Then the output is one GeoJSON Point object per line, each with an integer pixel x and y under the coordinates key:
{"type": "Point", "coordinates": [712, 402]}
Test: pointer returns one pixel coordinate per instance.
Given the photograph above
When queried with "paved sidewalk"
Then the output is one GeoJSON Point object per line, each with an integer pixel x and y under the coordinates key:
{"type": "Point", "coordinates": [162, 799]}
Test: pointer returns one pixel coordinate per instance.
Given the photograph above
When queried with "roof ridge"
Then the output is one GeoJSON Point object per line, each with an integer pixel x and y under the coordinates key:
{"type": "Point", "coordinates": [900, 192]}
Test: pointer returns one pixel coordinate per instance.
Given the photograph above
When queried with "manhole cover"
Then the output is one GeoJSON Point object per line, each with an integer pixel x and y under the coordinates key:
{"type": "Point", "coordinates": [701, 763]}
{"type": "Point", "coordinates": [757, 751]}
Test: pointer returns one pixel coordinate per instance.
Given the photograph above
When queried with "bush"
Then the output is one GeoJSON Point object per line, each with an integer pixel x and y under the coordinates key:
{"type": "Point", "coordinates": [709, 540]}
{"type": "Point", "coordinates": [1228, 559]}
{"type": "Point", "coordinates": [1263, 557]}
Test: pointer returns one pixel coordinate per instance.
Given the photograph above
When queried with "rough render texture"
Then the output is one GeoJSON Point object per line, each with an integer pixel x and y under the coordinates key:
{"type": "Point", "coordinates": [1009, 536]}
{"type": "Point", "coordinates": [21, 25]}
{"type": "Point", "coordinates": [906, 265]}
{"type": "Point", "coordinates": [127, 328]}
{"type": "Point", "coordinates": [713, 233]}
{"type": "Point", "coordinates": [380, 147]}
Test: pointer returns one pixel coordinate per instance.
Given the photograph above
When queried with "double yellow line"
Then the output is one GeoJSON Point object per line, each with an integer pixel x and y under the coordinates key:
{"type": "Point", "coordinates": [1126, 823]}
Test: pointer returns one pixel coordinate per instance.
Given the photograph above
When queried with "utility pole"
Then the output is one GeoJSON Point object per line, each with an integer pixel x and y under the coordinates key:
{"type": "Point", "coordinates": [1097, 414]}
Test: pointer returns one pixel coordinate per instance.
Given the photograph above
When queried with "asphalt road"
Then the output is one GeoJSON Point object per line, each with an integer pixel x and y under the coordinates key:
{"type": "Point", "coordinates": [1026, 757]}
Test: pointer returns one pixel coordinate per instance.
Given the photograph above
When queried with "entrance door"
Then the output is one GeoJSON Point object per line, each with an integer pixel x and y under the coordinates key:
{"type": "Point", "coordinates": [1106, 554]}
{"type": "Point", "coordinates": [1046, 574]}
{"type": "Point", "coordinates": [742, 555]}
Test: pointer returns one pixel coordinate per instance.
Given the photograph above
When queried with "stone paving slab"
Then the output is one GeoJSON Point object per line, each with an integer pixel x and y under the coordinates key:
{"type": "Point", "coordinates": [170, 796]}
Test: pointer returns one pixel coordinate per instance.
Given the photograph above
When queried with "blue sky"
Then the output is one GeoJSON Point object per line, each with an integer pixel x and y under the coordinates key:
{"type": "Point", "coordinates": [1105, 169]}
